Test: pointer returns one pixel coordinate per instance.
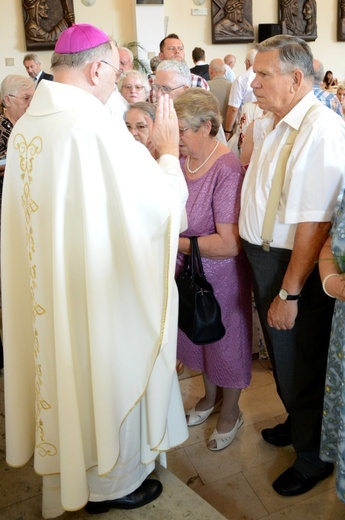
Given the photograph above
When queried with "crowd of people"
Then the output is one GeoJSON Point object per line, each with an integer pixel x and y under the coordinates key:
{"type": "Point", "coordinates": [140, 162]}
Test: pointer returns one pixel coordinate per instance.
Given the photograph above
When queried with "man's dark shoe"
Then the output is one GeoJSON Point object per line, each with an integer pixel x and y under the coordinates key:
{"type": "Point", "coordinates": [292, 482]}
{"type": "Point", "coordinates": [148, 491]}
{"type": "Point", "coordinates": [279, 435]}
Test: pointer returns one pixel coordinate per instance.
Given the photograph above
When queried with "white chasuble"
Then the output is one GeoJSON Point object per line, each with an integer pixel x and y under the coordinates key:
{"type": "Point", "coordinates": [90, 228]}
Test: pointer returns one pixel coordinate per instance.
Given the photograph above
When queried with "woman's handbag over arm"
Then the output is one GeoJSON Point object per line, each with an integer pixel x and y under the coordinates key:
{"type": "Point", "coordinates": [199, 311]}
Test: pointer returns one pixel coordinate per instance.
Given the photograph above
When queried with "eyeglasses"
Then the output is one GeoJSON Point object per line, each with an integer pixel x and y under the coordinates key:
{"type": "Point", "coordinates": [139, 127]}
{"type": "Point", "coordinates": [119, 72]}
{"type": "Point", "coordinates": [25, 99]}
{"type": "Point", "coordinates": [136, 87]}
{"type": "Point", "coordinates": [183, 130]}
{"type": "Point", "coordinates": [164, 89]}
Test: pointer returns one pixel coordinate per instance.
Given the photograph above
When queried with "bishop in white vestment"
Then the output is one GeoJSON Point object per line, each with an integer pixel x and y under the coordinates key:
{"type": "Point", "coordinates": [90, 228]}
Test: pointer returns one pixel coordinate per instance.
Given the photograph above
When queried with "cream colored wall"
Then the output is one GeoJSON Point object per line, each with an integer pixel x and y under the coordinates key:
{"type": "Point", "coordinates": [195, 31]}
{"type": "Point", "coordinates": [116, 17]}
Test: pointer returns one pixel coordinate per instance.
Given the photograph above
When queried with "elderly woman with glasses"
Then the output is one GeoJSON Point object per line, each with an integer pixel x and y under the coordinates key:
{"type": "Point", "coordinates": [214, 178]}
{"type": "Point", "coordinates": [16, 94]}
{"type": "Point", "coordinates": [134, 86]}
{"type": "Point", "coordinates": [138, 120]}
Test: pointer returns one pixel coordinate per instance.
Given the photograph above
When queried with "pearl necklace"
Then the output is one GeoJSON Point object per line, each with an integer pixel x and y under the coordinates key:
{"type": "Point", "coordinates": [205, 161]}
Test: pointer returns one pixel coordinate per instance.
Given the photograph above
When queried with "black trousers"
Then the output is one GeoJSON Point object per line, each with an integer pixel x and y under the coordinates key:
{"type": "Point", "coordinates": [299, 355]}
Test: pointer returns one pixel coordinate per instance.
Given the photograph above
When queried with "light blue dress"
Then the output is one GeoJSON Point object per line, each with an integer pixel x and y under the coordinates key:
{"type": "Point", "coordinates": [332, 447]}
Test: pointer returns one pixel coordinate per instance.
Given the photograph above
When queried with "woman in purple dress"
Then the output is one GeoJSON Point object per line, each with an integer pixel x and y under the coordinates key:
{"type": "Point", "coordinates": [214, 177]}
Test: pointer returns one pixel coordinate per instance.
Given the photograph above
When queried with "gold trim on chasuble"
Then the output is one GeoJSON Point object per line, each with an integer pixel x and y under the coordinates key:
{"type": "Point", "coordinates": [27, 153]}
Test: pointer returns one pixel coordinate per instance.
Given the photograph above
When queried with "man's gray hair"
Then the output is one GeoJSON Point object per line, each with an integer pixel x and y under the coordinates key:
{"type": "Point", "coordinates": [319, 71]}
{"type": "Point", "coordinates": [179, 68]}
{"type": "Point", "coordinates": [79, 59]}
{"type": "Point", "coordinates": [32, 56]}
{"type": "Point", "coordinates": [250, 56]}
{"type": "Point", "coordinates": [128, 52]}
{"type": "Point", "coordinates": [293, 53]}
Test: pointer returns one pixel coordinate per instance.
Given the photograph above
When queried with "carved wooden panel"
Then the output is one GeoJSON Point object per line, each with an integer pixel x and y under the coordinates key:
{"type": "Point", "coordinates": [341, 21]}
{"type": "Point", "coordinates": [298, 17]}
{"type": "Point", "coordinates": [232, 21]}
{"type": "Point", "coordinates": [44, 20]}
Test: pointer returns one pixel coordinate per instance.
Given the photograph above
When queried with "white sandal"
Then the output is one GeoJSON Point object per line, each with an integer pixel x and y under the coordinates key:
{"type": "Point", "coordinates": [223, 440]}
{"type": "Point", "coordinates": [195, 417]}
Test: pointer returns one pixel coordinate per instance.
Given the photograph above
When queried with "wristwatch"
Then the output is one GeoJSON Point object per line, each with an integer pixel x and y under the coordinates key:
{"type": "Point", "coordinates": [284, 295]}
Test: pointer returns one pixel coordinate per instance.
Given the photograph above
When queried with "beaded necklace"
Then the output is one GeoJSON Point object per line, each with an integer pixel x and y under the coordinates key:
{"type": "Point", "coordinates": [205, 161]}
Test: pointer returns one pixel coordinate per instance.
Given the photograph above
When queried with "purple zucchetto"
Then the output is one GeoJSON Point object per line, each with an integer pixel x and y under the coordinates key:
{"type": "Point", "coordinates": [80, 37]}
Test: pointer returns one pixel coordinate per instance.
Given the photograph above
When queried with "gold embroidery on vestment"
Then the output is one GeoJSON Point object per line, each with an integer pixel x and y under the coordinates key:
{"type": "Point", "coordinates": [27, 153]}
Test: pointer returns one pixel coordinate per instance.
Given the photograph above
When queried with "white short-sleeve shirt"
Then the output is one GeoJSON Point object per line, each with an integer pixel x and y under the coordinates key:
{"type": "Point", "coordinates": [315, 173]}
{"type": "Point", "coordinates": [241, 91]}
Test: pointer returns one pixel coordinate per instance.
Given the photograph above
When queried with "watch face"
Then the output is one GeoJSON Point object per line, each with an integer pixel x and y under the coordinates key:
{"type": "Point", "coordinates": [283, 294]}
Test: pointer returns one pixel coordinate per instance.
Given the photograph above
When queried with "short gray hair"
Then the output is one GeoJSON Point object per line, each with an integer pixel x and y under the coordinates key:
{"type": "Point", "coordinates": [79, 59]}
{"type": "Point", "coordinates": [128, 52]}
{"type": "Point", "coordinates": [197, 106]}
{"type": "Point", "coordinates": [319, 71]}
{"type": "Point", "coordinates": [293, 52]}
{"type": "Point", "coordinates": [250, 56]}
{"type": "Point", "coordinates": [32, 56]}
{"type": "Point", "coordinates": [144, 106]}
{"type": "Point", "coordinates": [179, 68]}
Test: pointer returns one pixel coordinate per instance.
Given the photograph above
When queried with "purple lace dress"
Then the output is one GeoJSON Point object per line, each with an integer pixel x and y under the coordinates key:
{"type": "Point", "coordinates": [215, 198]}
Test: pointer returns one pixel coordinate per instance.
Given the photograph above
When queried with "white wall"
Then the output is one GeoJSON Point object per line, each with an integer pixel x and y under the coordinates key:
{"type": "Point", "coordinates": [117, 17]}
{"type": "Point", "coordinates": [195, 31]}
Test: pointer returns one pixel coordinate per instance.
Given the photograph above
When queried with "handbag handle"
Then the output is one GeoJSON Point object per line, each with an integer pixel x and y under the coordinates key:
{"type": "Point", "coordinates": [195, 258]}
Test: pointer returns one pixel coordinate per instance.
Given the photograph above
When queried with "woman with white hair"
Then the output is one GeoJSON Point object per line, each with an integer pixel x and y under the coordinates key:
{"type": "Point", "coordinates": [134, 86]}
{"type": "Point", "coordinates": [16, 93]}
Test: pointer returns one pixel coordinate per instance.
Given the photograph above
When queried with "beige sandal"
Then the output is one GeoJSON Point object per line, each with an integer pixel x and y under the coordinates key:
{"type": "Point", "coordinates": [195, 417]}
{"type": "Point", "coordinates": [223, 440]}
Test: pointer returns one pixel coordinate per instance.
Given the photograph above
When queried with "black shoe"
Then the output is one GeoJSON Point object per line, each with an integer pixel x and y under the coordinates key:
{"type": "Point", "coordinates": [292, 482]}
{"type": "Point", "coordinates": [148, 491]}
{"type": "Point", "coordinates": [279, 435]}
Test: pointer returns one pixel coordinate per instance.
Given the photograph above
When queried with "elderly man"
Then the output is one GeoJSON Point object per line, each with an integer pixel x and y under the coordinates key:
{"type": "Point", "coordinates": [126, 59]}
{"type": "Point", "coordinates": [282, 231]}
{"type": "Point", "coordinates": [241, 92]}
{"type": "Point", "coordinates": [230, 62]}
{"type": "Point", "coordinates": [219, 86]}
{"type": "Point", "coordinates": [89, 299]}
{"type": "Point", "coordinates": [173, 77]}
{"type": "Point", "coordinates": [33, 67]}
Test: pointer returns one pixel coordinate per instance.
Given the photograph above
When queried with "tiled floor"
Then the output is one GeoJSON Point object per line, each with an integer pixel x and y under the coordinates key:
{"type": "Point", "coordinates": [235, 481]}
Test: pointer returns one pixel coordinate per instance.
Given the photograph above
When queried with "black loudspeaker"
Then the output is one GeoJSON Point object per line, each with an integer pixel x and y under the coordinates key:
{"type": "Point", "coordinates": [266, 30]}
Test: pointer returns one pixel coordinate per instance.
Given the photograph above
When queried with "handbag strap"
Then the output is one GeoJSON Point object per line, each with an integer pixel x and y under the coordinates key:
{"type": "Point", "coordinates": [195, 258]}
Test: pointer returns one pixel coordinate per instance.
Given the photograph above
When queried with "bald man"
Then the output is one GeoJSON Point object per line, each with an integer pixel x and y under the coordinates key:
{"type": "Point", "coordinates": [219, 86]}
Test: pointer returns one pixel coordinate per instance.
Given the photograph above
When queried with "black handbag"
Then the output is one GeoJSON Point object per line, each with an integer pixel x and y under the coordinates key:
{"type": "Point", "coordinates": [199, 311]}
